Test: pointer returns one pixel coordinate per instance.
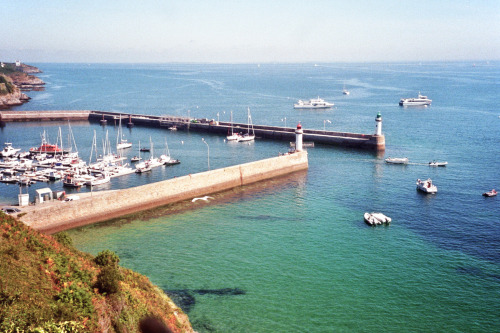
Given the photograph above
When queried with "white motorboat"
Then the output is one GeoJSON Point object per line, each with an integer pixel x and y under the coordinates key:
{"type": "Point", "coordinates": [438, 164]}
{"type": "Point", "coordinates": [376, 218]}
{"type": "Point", "coordinates": [426, 186]}
{"type": "Point", "coordinates": [8, 150]}
{"type": "Point", "coordinates": [397, 160]}
{"type": "Point", "coordinates": [314, 103]}
{"type": "Point", "coordinates": [103, 178]}
{"type": "Point", "coordinates": [420, 100]}
{"type": "Point", "coordinates": [491, 193]}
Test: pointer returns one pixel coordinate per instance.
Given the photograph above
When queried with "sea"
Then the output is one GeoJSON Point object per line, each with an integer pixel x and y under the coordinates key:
{"type": "Point", "coordinates": [293, 254]}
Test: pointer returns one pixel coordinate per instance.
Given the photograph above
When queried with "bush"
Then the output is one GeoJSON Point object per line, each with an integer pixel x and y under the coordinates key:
{"type": "Point", "coordinates": [107, 258]}
{"type": "Point", "coordinates": [108, 280]}
{"type": "Point", "coordinates": [64, 239]}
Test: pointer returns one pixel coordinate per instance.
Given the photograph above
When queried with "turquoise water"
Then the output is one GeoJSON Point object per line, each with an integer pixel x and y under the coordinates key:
{"type": "Point", "coordinates": [294, 254]}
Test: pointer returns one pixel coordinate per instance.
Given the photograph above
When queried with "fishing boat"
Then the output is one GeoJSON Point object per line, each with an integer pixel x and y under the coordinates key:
{"type": "Point", "coordinates": [8, 150]}
{"type": "Point", "coordinates": [491, 193]}
{"type": "Point", "coordinates": [247, 136]}
{"type": "Point", "coordinates": [438, 164]}
{"type": "Point", "coordinates": [376, 218]}
{"type": "Point", "coordinates": [419, 101]}
{"type": "Point", "coordinates": [71, 181]}
{"type": "Point", "coordinates": [397, 160]}
{"type": "Point", "coordinates": [314, 103]}
{"type": "Point", "coordinates": [426, 186]}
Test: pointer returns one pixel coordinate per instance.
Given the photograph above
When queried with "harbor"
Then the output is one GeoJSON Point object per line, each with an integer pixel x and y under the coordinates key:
{"type": "Point", "coordinates": [372, 142]}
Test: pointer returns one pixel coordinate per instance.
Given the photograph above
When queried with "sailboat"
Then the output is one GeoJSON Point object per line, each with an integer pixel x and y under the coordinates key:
{"type": "Point", "coordinates": [345, 91]}
{"type": "Point", "coordinates": [247, 136]}
{"type": "Point", "coordinates": [233, 136]}
{"type": "Point", "coordinates": [121, 142]}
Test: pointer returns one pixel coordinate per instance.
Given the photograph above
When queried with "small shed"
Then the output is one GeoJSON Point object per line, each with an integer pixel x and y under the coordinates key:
{"type": "Point", "coordinates": [43, 194]}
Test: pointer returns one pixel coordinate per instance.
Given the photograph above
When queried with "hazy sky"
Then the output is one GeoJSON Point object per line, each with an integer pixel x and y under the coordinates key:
{"type": "Point", "coordinates": [249, 31]}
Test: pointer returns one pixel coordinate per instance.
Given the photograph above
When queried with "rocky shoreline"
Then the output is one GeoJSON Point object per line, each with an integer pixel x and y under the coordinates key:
{"type": "Point", "coordinates": [15, 78]}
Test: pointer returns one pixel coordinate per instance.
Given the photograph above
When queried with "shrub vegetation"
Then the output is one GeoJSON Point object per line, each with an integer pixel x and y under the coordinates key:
{"type": "Point", "coordinates": [47, 285]}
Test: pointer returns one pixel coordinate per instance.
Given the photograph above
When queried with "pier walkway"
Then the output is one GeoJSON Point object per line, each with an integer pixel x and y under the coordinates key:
{"type": "Point", "coordinates": [344, 139]}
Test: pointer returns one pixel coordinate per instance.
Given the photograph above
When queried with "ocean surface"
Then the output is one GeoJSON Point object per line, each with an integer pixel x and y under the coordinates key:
{"type": "Point", "coordinates": [293, 254]}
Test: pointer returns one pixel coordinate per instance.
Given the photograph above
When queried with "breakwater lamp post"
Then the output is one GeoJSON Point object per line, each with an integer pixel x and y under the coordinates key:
{"type": "Point", "coordinates": [324, 124]}
{"type": "Point", "coordinates": [208, 152]}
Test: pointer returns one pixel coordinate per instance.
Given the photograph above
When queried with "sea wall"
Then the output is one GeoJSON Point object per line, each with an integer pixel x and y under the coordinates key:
{"type": "Point", "coordinates": [12, 116]}
{"type": "Point", "coordinates": [100, 206]}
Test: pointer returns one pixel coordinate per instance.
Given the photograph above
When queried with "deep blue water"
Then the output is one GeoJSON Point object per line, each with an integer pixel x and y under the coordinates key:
{"type": "Point", "coordinates": [297, 251]}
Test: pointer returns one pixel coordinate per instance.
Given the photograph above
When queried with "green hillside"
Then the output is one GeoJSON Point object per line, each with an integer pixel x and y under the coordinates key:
{"type": "Point", "coordinates": [46, 285]}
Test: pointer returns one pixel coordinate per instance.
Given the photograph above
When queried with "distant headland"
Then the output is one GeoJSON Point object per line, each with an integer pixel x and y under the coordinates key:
{"type": "Point", "coordinates": [15, 78]}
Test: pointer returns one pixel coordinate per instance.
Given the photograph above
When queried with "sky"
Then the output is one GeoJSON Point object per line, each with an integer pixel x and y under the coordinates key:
{"type": "Point", "coordinates": [251, 31]}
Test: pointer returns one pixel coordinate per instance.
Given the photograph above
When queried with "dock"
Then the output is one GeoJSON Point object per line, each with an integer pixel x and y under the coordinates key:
{"type": "Point", "coordinates": [344, 139]}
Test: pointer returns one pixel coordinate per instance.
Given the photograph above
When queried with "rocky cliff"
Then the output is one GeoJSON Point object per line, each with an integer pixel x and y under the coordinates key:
{"type": "Point", "coordinates": [13, 80]}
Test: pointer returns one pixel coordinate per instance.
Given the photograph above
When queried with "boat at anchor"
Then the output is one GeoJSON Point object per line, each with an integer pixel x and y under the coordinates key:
{"type": "Point", "coordinates": [314, 103]}
{"type": "Point", "coordinates": [426, 186]}
{"type": "Point", "coordinates": [420, 100]}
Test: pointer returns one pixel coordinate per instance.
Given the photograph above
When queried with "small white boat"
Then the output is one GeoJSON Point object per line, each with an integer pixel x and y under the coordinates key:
{"type": "Point", "coordinates": [491, 193]}
{"type": "Point", "coordinates": [345, 91]}
{"type": "Point", "coordinates": [438, 164]}
{"type": "Point", "coordinates": [135, 159]}
{"type": "Point", "coordinates": [420, 100]}
{"type": "Point", "coordinates": [314, 103]}
{"type": "Point", "coordinates": [426, 186]}
{"type": "Point", "coordinates": [376, 218]}
{"type": "Point", "coordinates": [103, 178]}
{"type": "Point", "coordinates": [397, 160]}
{"type": "Point", "coordinates": [8, 150]}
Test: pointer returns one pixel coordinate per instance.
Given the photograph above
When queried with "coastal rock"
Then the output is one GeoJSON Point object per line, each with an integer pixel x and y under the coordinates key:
{"type": "Point", "coordinates": [13, 80]}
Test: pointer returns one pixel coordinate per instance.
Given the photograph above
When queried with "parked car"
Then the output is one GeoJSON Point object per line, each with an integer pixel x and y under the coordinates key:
{"type": "Point", "coordinates": [10, 210]}
{"type": "Point", "coordinates": [72, 198]}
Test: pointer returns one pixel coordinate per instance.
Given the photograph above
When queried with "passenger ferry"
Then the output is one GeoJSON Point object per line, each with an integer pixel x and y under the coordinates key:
{"type": "Point", "coordinates": [420, 100]}
{"type": "Point", "coordinates": [315, 103]}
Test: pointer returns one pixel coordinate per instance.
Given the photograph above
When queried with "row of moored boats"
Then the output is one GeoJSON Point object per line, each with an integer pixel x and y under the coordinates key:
{"type": "Point", "coordinates": [49, 162]}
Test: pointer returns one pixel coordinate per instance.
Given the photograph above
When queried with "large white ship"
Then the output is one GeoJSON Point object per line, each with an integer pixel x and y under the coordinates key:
{"type": "Point", "coordinates": [315, 103]}
{"type": "Point", "coordinates": [420, 100]}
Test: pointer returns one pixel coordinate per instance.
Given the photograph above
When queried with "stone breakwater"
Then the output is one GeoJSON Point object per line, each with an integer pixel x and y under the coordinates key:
{"type": "Point", "coordinates": [101, 206]}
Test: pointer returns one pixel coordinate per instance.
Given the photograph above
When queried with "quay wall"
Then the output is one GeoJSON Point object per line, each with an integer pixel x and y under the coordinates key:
{"type": "Point", "coordinates": [100, 206]}
{"type": "Point", "coordinates": [18, 116]}
{"type": "Point", "coordinates": [345, 139]}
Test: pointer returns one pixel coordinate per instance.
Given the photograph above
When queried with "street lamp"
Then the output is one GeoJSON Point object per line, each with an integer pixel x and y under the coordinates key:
{"type": "Point", "coordinates": [208, 152]}
{"type": "Point", "coordinates": [324, 124]}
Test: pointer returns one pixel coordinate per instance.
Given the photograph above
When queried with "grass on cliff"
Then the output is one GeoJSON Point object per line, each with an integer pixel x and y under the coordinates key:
{"type": "Point", "coordinates": [6, 86]}
{"type": "Point", "coordinates": [46, 285]}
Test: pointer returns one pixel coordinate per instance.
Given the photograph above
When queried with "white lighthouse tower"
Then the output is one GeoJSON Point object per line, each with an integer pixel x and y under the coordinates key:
{"type": "Point", "coordinates": [378, 124]}
{"type": "Point", "coordinates": [298, 137]}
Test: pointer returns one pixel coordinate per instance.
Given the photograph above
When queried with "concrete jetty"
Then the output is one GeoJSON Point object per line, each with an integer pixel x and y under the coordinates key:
{"type": "Point", "coordinates": [56, 216]}
{"type": "Point", "coordinates": [374, 142]}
